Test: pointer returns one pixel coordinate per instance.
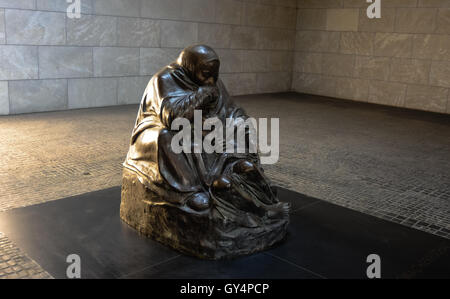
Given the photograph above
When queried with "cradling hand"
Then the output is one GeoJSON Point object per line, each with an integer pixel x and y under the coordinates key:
{"type": "Point", "coordinates": [208, 95]}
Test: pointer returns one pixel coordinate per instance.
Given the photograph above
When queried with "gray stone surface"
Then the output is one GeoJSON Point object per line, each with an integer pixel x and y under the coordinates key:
{"type": "Point", "coordinates": [256, 15]}
{"type": "Point", "coordinates": [384, 24]}
{"type": "Point", "coordinates": [65, 62]}
{"type": "Point", "coordinates": [426, 98]}
{"type": "Point", "coordinates": [319, 4]}
{"type": "Point", "coordinates": [178, 34]}
{"type": "Point", "coordinates": [243, 37]}
{"type": "Point", "coordinates": [240, 83]}
{"type": "Point", "coordinates": [360, 43]}
{"type": "Point", "coordinates": [314, 83]}
{"type": "Point", "coordinates": [269, 16]}
{"type": "Point", "coordinates": [352, 89]}
{"type": "Point", "coordinates": [231, 61]}
{"type": "Point", "coordinates": [90, 30]}
{"type": "Point", "coordinates": [393, 44]}
{"type": "Point", "coordinates": [125, 8]}
{"type": "Point", "coordinates": [24, 4]}
{"type": "Point", "coordinates": [116, 62]}
{"type": "Point", "coordinates": [283, 17]}
{"type": "Point", "coordinates": [284, 3]}
{"type": "Point", "coordinates": [370, 67]}
{"type": "Point", "coordinates": [35, 27]}
{"type": "Point", "coordinates": [434, 3]}
{"type": "Point", "coordinates": [161, 9]}
{"type": "Point", "coordinates": [61, 5]}
{"type": "Point", "coordinates": [387, 93]}
{"type": "Point", "coordinates": [228, 11]}
{"type": "Point", "coordinates": [410, 70]}
{"type": "Point", "coordinates": [37, 95]}
{"type": "Point", "coordinates": [311, 19]}
{"type": "Point", "coordinates": [214, 35]}
{"type": "Point", "coordinates": [317, 41]}
{"type": "Point", "coordinates": [128, 38]}
{"type": "Point", "coordinates": [273, 82]}
{"type": "Point", "coordinates": [338, 64]}
{"type": "Point", "coordinates": [264, 25]}
{"type": "Point", "coordinates": [440, 73]}
{"type": "Point", "coordinates": [443, 21]}
{"type": "Point", "coordinates": [2, 27]}
{"type": "Point", "coordinates": [342, 19]}
{"type": "Point", "coordinates": [18, 62]}
{"type": "Point", "coordinates": [416, 20]}
{"type": "Point", "coordinates": [280, 61]}
{"type": "Point", "coordinates": [92, 92]}
{"type": "Point", "coordinates": [401, 3]}
{"type": "Point", "coordinates": [4, 99]}
{"type": "Point", "coordinates": [431, 47]}
{"type": "Point", "coordinates": [198, 10]}
{"type": "Point", "coordinates": [154, 59]}
{"type": "Point", "coordinates": [134, 32]}
{"type": "Point", "coordinates": [131, 89]}
{"type": "Point", "coordinates": [308, 62]}
{"type": "Point", "coordinates": [276, 39]}
{"type": "Point", "coordinates": [254, 61]}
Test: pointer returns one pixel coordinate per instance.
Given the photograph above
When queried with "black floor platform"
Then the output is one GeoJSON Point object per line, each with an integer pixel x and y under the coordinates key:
{"type": "Point", "coordinates": [324, 241]}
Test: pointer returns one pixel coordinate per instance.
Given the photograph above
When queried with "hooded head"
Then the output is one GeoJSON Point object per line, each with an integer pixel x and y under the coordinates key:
{"type": "Point", "coordinates": [201, 63]}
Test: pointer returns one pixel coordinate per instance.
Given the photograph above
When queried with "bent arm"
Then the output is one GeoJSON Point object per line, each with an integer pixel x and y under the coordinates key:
{"type": "Point", "coordinates": [178, 106]}
{"type": "Point", "coordinates": [184, 104]}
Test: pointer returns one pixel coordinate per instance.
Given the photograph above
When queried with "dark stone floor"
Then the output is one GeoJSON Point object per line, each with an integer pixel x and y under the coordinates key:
{"type": "Point", "coordinates": [324, 241]}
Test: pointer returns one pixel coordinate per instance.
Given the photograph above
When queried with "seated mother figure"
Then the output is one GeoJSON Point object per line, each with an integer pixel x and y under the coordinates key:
{"type": "Point", "coordinates": [229, 185]}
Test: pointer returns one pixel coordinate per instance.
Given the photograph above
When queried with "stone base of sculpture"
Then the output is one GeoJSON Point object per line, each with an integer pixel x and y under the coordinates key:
{"type": "Point", "coordinates": [199, 234]}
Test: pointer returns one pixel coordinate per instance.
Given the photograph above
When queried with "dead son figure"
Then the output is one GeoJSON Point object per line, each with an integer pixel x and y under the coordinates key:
{"type": "Point", "coordinates": [210, 205]}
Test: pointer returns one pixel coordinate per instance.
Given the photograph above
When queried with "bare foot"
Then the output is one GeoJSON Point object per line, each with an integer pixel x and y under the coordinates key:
{"type": "Point", "coordinates": [243, 167]}
{"type": "Point", "coordinates": [222, 183]}
{"type": "Point", "coordinates": [199, 201]}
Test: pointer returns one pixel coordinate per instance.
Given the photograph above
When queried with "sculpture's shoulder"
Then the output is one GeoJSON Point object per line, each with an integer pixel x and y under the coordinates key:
{"type": "Point", "coordinates": [166, 73]}
{"type": "Point", "coordinates": [165, 78]}
{"type": "Point", "coordinates": [157, 88]}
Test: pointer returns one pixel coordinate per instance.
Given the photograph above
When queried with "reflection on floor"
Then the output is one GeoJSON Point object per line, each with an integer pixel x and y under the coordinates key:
{"type": "Point", "coordinates": [324, 241]}
{"type": "Point", "coordinates": [382, 161]}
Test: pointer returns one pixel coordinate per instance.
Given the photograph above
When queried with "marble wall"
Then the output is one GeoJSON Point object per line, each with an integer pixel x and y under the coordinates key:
{"type": "Point", "coordinates": [401, 59]}
{"type": "Point", "coordinates": [49, 61]}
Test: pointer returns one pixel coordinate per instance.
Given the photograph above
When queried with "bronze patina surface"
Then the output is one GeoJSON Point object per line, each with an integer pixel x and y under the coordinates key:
{"type": "Point", "coordinates": [210, 205]}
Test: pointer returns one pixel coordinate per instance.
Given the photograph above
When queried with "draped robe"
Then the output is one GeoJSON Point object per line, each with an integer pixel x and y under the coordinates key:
{"type": "Point", "coordinates": [174, 177]}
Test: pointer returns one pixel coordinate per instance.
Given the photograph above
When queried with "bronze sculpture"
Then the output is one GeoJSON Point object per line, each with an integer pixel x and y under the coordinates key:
{"type": "Point", "coordinates": [210, 205]}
